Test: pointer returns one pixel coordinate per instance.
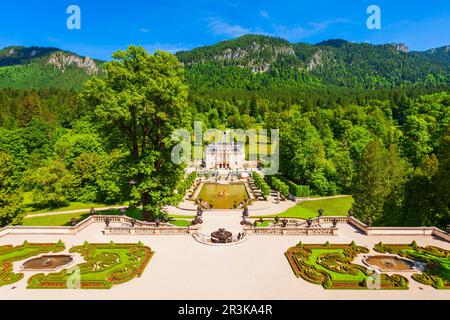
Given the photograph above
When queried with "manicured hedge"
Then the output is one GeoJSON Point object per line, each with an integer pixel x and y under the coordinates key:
{"type": "Point", "coordinates": [106, 265]}
{"type": "Point", "coordinates": [332, 260]}
{"type": "Point", "coordinates": [187, 183]}
{"type": "Point", "coordinates": [278, 185]}
{"type": "Point", "coordinates": [10, 254]}
{"type": "Point", "coordinates": [261, 184]}
{"type": "Point", "coordinates": [295, 189]}
{"type": "Point", "coordinates": [437, 260]}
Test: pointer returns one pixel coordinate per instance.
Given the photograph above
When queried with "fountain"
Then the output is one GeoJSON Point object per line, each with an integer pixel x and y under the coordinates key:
{"type": "Point", "coordinates": [221, 236]}
{"type": "Point", "coordinates": [47, 262]}
{"type": "Point", "coordinates": [389, 263]}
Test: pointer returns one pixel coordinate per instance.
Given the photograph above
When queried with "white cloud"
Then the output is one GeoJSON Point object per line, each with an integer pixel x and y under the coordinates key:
{"type": "Point", "coordinates": [169, 47]}
{"type": "Point", "coordinates": [299, 32]}
{"type": "Point", "coordinates": [219, 27]}
{"type": "Point", "coordinates": [264, 14]}
{"type": "Point", "coordinates": [144, 30]}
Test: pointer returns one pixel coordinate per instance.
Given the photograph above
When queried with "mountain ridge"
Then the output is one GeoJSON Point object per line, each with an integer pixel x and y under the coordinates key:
{"type": "Point", "coordinates": [248, 62]}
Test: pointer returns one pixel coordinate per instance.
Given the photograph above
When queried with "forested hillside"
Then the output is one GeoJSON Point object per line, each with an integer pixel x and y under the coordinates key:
{"type": "Point", "coordinates": [39, 68]}
{"type": "Point", "coordinates": [376, 126]}
{"type": "Point", "coordinates": [260, 62]}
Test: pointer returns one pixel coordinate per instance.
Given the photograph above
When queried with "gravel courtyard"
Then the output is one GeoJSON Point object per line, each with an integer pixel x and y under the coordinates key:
{"type": "Point", "coordinates": [182, 268]}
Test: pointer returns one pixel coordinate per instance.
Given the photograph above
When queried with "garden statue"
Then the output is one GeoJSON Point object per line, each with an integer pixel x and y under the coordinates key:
{"type": "Point", "coordinates": [309, 222]}
{"type": "Point", "coordinates": [92, 211]}
{"type": "Point", "coordinates": [278, 197]}
{"type": "Point", "coordinates": [321, 211]}
{"type": "Point", "coordinates": [285, 222]}
{"type": "Point", "coordinates": [335, 222]}
{"type": "Point", "coordinates": [245, 213]}
{"type": "Point", "coordinates": [199, 211]}
{"type": "Point", "coordinates": [277, 219]}
{"type": "Point", "coordinates": [350, 213]}
{"type": "Point", "coordinates": [157, 222]}
{"type": "Point", "coordinates": [369, 222]}
{"type": "Point", "coordinates": [107, 222]}
{"type": "Point", "coordinates": [123, 211]}
{"type": "Point", "coordinates": [133, 222]}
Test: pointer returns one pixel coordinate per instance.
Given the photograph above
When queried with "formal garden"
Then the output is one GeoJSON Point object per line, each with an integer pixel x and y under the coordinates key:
{"type": "Point", "coordinates": [10, 254]}
{"type": "Point", "coordinates": [105, 265]}
{"type": "Point", "coordinates": [330, 265]}
{"type": "Point", "coordinates": [436, 262]}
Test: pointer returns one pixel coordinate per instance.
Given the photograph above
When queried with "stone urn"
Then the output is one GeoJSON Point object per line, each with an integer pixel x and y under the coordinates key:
{"type": "Point", "coordinates": [320, 211]}
{"type": "Point", "coordinates": [335, 222]}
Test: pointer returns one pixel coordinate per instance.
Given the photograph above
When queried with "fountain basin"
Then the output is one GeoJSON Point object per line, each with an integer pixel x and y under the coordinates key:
{"type": "Point", "coordinates": [221, 236]}
{"type": "Point", "coordinates": [223, 196]}
{"type": "Point", "coordinates": [48, 262]}
{"type": "Point", "coordinates": [390, 263]}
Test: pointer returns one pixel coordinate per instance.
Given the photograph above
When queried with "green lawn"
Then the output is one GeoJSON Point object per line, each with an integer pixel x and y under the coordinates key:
{"type": "Point", "coordinates": [30, 210]}
{"type": "Point", "coordinates": [182, 223]}
{"type": "Point", "coordinates": [56, 220]}
{"type": "Point", "coordinates": [308, 209]}
{"type": "Point", "coordinates": [65, 219]}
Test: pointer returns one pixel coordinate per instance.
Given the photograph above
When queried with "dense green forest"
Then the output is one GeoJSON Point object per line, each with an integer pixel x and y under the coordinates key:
{"type": "Point", "coordinates": [342, 130]}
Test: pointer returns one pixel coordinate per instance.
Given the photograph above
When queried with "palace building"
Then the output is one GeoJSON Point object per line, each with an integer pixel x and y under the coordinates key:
{"type": "Point", "coordinates": [225, 155]}
{"type": "Point", "coordinates": [222, 155]}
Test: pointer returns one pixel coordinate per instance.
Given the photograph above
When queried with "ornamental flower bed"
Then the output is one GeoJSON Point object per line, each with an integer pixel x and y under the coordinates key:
{"type": "Point", "coordinates": [106, 265]}
{"type": "Point", "coordinates": [330, 265]}
{"type": "Point", "coordinates": [436, 260]}
{"type": "Point", "coordinates": [10, 254]}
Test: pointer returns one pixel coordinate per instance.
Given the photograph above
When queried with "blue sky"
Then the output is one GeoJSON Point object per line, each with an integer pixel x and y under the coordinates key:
{"type": "Point", "coordinates": [175, 25]}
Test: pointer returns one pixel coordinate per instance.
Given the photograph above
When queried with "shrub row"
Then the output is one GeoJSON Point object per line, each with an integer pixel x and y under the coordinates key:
{"type": "Point", "coordinates": [261, 184]}
{"type": "Point", "coordinates": [295, 189]}
{"type": "Point", "coordinates": [187, 183]}
{"type": "Point", "coordinates": [278, 185]}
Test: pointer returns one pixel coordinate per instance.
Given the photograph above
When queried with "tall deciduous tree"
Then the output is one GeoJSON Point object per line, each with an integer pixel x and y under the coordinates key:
{"type": "Point", "coordinates": [139, 103]}
{"type": "Point", "coordinates": [369, 183]}
{"type": "Point", "coordinates": [10, 200]}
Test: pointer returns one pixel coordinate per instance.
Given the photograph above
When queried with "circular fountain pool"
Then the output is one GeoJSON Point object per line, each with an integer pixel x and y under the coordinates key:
{"type": "Point", "coordinates": [47, 262]}
{"type": "Point", "coordinates": [389, 263]}
{"type": "Point", "coordinates": [221, 236]}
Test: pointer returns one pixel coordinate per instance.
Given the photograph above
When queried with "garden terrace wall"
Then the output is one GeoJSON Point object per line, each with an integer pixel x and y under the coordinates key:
{"type": "Point", "coordinates": [73, 230]}
{"type": "Point", "coordinates": [280, 231]}
{"type": "Point", "coordinates": [149, 231]}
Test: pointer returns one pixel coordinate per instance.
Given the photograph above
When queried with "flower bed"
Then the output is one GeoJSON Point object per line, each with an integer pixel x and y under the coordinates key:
{"type": "Point", "coordinates": [330, 265]}
{"type": "Point", "coordinates": [10, 254]}
{"type": "Point", "coordinates": [106, 265]}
